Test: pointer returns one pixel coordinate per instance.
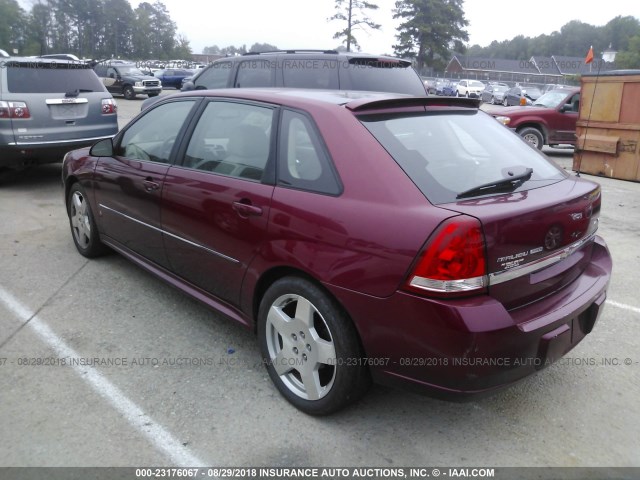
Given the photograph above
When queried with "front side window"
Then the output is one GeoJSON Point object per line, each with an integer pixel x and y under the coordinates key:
{"type": "Point", "coordinates": [152, 136]}
{"type": "Point", "coordinates": [231, 139]}
{"type": "Point", "coordinates": [446, 154]}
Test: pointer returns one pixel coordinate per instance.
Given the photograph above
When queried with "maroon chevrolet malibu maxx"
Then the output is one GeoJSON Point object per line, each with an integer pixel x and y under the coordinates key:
{"type": "Point", "coordinates": [363, 236]}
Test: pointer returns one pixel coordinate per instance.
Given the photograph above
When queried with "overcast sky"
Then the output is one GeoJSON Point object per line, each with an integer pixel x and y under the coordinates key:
{"type": "Point", "coordinates": [303, 23]}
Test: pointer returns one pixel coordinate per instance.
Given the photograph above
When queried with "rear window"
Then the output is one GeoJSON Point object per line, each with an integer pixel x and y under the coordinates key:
{"type": "Point", "coordinates": [55, 77]}
{"type": "Point", "coordinates": [449, 152]}
{"type": "Point", "coordinates": [380, 76]}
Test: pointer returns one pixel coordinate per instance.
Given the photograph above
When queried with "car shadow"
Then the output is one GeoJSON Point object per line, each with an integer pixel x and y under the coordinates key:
{"type": "Point", "coordinates": [33, 176]}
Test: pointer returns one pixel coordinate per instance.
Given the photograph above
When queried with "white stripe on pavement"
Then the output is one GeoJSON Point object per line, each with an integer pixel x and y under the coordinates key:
{"type": "Point", "coordinates": [161, 438]}
{"type": "Point", "coordinates": [624, 306]}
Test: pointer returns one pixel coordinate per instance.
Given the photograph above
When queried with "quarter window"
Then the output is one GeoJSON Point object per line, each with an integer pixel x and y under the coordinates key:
{"type": "Point", "coordinates": [152, 137]}
{"type": "Point", "coordinates": [231, 139]}
{"type": "Point", "coordinates": [303, 161]}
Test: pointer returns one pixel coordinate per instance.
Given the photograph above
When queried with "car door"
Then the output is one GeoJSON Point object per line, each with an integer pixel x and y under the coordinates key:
{"type": "Point", "coordinates": [565, 120]}
{"type": "Point", "coordinates": [129, 184]}
{"type": "Point", "coordinates": [113, 81]}
{"type": "Point", "coordinates": [215, 205]}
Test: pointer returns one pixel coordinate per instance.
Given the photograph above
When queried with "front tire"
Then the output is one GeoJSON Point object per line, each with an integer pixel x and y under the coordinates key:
{"type": "Point", "coordinates": [310, 347]}
{"type": "Point", "coordinates": [83, 227]}
{"type": "Point", "coordinates": [505, 102]}
{"type": "Point", "coordinates": [533, 136]}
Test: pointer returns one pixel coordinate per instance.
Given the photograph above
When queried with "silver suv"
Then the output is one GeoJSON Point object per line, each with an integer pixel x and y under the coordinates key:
{"type": "Point", "coordinates": [49, 107]}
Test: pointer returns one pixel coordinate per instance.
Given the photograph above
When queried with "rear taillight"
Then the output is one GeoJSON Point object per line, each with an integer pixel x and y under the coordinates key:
{"type": "Point", "coordinates": [453, 261]}
{"type": "Point", "coordinates": [15, 110]}
{"type": "Point", "coordinates": [109, 106]}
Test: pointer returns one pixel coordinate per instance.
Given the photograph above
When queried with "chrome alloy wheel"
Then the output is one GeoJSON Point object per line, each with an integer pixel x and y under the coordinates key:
{"type": "Point", "coordinates": [300, 347]}
{"type": "Point", "coordinates": [80, 221]}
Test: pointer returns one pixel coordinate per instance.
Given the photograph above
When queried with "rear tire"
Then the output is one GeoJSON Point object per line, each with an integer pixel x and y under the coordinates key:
{"type": "Point", "coordinates": [532, 136]}
{"type": "Point", "coordinates": [310, 347]}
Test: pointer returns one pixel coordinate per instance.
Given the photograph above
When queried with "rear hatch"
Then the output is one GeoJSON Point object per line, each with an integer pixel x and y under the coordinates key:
{"type": "Point", "coordinates": [537, 221]}
{"type": "Point", "coordinates": [538, 240]}
{"type": "Point", "coordinates": [63, 101]}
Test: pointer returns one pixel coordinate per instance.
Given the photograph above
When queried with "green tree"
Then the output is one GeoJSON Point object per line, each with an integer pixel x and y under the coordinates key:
{"type": "Point", "coordinates": [430, 30]}
{"type": "Point", "coordinates": [212, 50]}
{"type": "Point", "coordinates": [154, 32]}
{"type": "Point", "coordinates": [618, 33]}
{"type": "Point", "coordinates": [630, 58]}
{"type": "Point", "coordinates": [182, 49]}
{"type": "Point", "coordinates": [262, 47]}
{"type": "Point", "coordinates": [13, 26]}
{"type": "Point", "coordinates": [352, 14]}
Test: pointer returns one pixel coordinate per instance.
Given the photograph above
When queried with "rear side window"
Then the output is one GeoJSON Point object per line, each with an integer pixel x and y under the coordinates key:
{"type": "Point", "coordinates": [231, 139]}
{"type": "Point", "coordinates": [55, 77]}
{"type": "Point", "coordinates": [310, 73]}
{"type": "Point", "coordinates": [303, 162]}
{"type": "Point", "coordinates": [450, 152]}
{"type": "Point", "coordinates": [255, 73]}
{"type": "Point", "coordinates": [216, 76]}
{"type": "Point", "coordinates": [380, 76]}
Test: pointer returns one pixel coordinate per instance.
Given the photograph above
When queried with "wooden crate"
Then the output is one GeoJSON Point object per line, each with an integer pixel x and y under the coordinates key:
{"type": "Point", "coordinates": [608, 127]}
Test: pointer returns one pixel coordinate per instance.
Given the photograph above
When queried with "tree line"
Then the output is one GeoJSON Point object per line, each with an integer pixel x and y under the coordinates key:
{"type": "Point", "coordinates": [430, 32]}
{"type": "Point", "coordinates": [573, 40]}
{"type": "Point", "coordinates": [91, 29]}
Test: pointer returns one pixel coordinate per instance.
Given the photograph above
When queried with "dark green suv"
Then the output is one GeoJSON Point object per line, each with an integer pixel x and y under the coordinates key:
{"type": "Point", "coordinates": [329, 70]}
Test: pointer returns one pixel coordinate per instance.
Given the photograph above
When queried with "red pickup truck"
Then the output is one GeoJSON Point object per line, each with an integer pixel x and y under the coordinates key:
{"type": "Point", "coordinates": [551, 120]}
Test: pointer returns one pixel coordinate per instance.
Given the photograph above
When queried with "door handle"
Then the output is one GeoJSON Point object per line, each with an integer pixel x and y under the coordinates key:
{"type": "Point", "coordinates": [245, 209]}
{"type": "Point", "coordinates": [150, 185]}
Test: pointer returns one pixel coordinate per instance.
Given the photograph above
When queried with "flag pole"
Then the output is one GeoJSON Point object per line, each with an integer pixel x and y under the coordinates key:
{"type": "Point", "coordinates": [588, 59]}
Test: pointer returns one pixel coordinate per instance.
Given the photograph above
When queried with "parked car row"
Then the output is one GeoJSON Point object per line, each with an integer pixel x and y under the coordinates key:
{"type": "Point", "coordinates": [274, 206]}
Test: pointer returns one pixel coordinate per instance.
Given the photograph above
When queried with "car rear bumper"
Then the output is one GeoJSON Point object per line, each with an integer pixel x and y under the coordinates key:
{"type": "Point", "coordinates": [457, 349]}
{"type": "Point", "coordinates": [22, 155]}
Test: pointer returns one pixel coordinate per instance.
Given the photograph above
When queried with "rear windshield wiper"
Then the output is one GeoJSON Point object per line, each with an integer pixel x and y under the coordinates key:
{"type": "Point", "coordinates": [513, 181]}
{"type": "Point", "coordinates": [77, 92]}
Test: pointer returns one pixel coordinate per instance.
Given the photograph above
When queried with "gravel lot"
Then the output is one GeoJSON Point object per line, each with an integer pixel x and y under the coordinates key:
{"type": "Point", "coordinates": [185, 386]}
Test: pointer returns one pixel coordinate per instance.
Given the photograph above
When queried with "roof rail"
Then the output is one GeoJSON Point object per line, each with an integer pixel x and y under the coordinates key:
{"type": "Point", "coordinates": [293, 51]}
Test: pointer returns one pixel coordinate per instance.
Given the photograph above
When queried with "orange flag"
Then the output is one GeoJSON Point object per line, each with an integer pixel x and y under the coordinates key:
{"type": "Point", "coordinates": [589, 57]}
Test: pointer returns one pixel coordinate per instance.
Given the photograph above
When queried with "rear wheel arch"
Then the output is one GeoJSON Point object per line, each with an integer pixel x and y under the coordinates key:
{"type": "Point", "coordinates": [274, 274]}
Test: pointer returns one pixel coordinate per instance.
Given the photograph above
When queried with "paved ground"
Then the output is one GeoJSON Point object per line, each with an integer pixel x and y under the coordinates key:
{"type": "Point", "coordinates": [185, 386]}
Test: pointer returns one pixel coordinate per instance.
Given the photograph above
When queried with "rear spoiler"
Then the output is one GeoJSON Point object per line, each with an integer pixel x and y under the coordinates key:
{"type": "Point", "coordinates": [364, 104]}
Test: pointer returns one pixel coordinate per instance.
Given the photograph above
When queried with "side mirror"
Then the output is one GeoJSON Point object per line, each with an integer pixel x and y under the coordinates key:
{"type": "Point", "coordinates": [188, 86]}
{"type": "Point", "coordinates": [103, 148]}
